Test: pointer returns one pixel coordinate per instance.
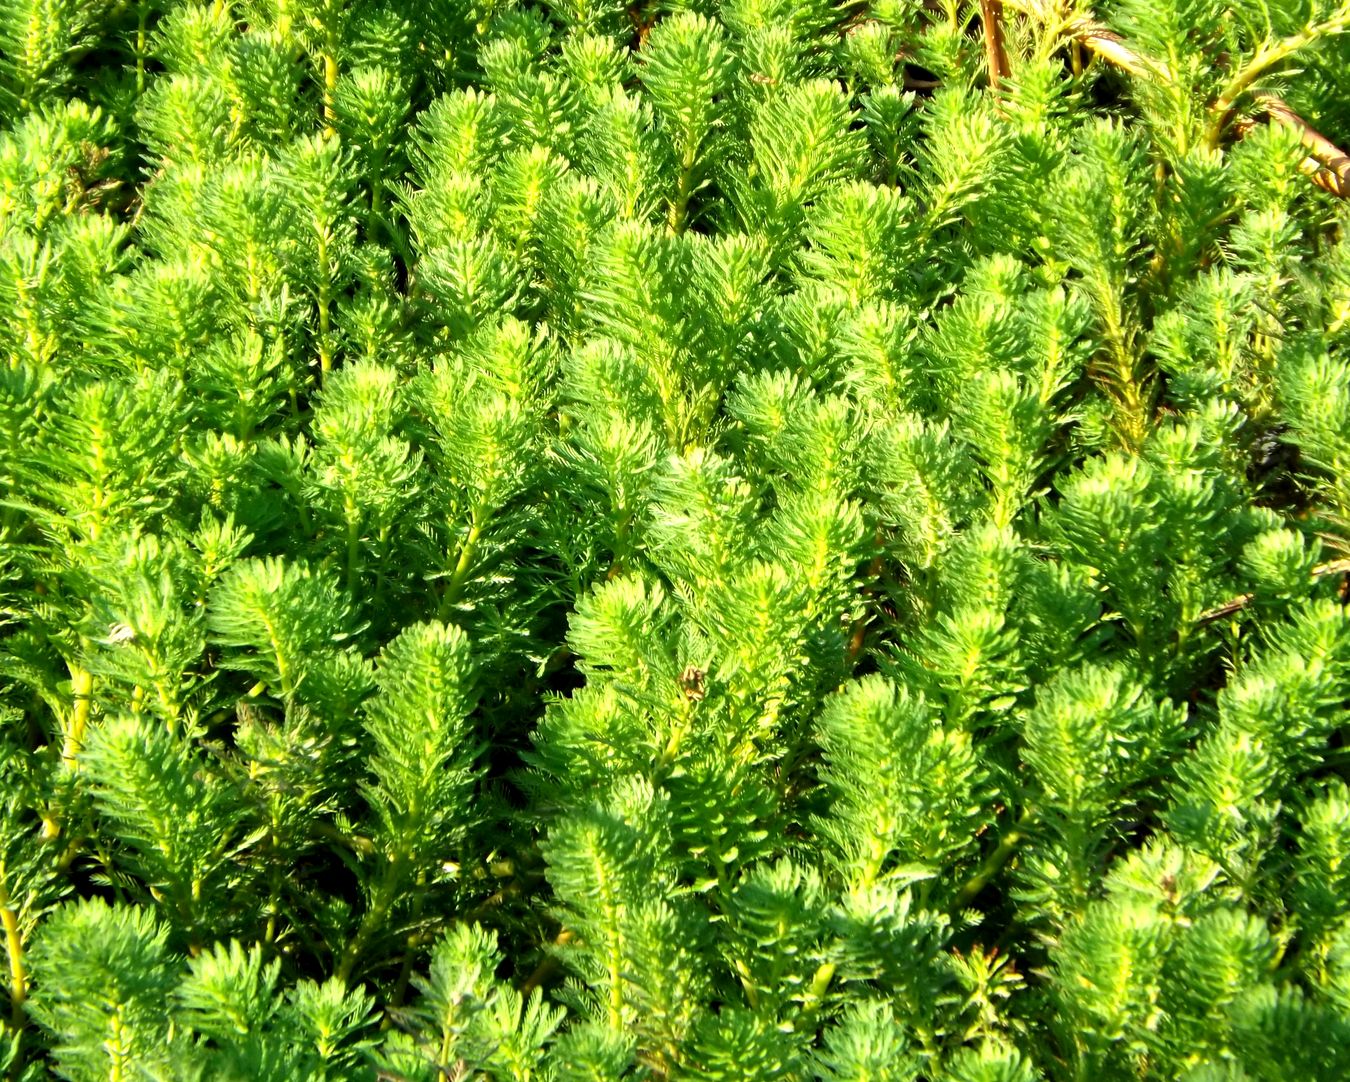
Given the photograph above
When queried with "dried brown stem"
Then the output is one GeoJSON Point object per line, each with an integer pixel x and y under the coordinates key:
{"type": "Point", "coordinates": [991, 17]}
{"type": "Point", "coordinates": [1268, 56]}
{"type": "Point", "coordinates": [1111, 47]}
{"type": "Point", "coordinates": [913, 82]}
{"type": "Point", "coordinates": [1326, 164]}
{"type": "Point", "coordinates": [1237, 604]}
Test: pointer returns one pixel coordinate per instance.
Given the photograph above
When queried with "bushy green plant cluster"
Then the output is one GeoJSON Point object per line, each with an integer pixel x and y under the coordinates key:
{"type": "Point", "coordinates": [715, 540]}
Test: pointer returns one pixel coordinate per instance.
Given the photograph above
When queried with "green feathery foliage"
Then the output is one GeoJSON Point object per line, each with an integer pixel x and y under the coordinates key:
{"type": "Point", "coordinates": [559, 540]}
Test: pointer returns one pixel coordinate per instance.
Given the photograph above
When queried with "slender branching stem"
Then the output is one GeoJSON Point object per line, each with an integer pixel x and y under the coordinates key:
{"type": "Point", "coordinates": [82, 700]}
{"type": "Point", "coordinates": [325, 300]}
{"type": "Point", "coordinates": [1268, 56]}
{"type": "Point", "coordinates": [463, 565]}
{"type": "Point", "coordinates": [997, 858]}
{"type": "Point", "coordinates": [14, 949]}
{"type": "Point", "coordinates": [679, 207]}
{"type": "Point", "coordinates": [381, 903]}
{"type": "Point", "coordinates": [330, 81]}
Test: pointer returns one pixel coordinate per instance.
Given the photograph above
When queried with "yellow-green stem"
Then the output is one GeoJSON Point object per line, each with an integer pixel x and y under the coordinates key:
{"type": "Point", "coordinates": [820, 984]}
{"type": "Point", "coordinates": [679, 209]}
{"type": "Point", "coordinates": [168, 702]}
{"type": "Point", "coordinates": [353, 517]}
{"type": "Point", "coordinates": [324, 301]}
{"type": "Point", "coordinates": [460, 575]}
{"type": "Point", "coordinates": [1269, 55]}
{"type": "Point", "coordinates": [1131, 418]}
{"type": "Point", "coordinates": [82, 698]}
{"type": "Point", "coordinates": [995, 861]}
{"type": "Point", "coordinates": [443, 1075]}
{"type": "Point", "coordinates": [18, 973]}
{"type": "Point", "coordinates": [116, 1050]}
{"type": "Point", "coordinates": [375, 916]}
{"type": "Point", "coordinates": [286, 687]}
{"type": "Point", "coordinates": [142, 18]}
{"type": "Point", "coordinates": [330, 78]}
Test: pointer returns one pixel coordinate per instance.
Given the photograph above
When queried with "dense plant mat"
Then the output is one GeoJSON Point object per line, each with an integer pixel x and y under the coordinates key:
{"type": "Point", "coordinates": [748, 540]}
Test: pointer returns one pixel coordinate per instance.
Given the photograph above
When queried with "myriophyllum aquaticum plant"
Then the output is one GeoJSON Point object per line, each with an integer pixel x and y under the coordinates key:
{"type": "Point", "coordinates": [710, 540]}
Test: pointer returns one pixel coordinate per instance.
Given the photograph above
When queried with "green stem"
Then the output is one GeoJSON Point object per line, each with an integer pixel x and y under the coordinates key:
{"type": "Point", "coordinates": [375, 916]}
{"type": "Point", "coordinates": [168, 702]}
{"type": "Point", "coordinates": [995, 861]}
{"type": "Point", "coordinates": [410, 954]}
{"type": "Point", "coordinates": [353, 546]}
{"type": "Point", "coordinates": [286, 688]}
{"type": "Point", "coordinates": [1267, 56]}
{"type": "Point", "coordinates": [455, 587]}
{"type": "Point", "coordinates": [547, 967]}
{"type": "Point", "coordinates": [324, 302]}
{"type": "Point", "coordinates": [1077, 841]}
{"type": "Point", "coordinates": [142, 18]}
{"type": "Point", "coordinates": [82, 698]}
{"type": "Point", "coordinates": [1124, 378]}
{"type": "Point", "coordinates": [273, 884]}
{"type": "Point", "coordinates": [615, 965]}
{"type": "Point", "coordinates": [373, 217]}
{"type": "Point", "coordinates": [382, 552]}
{"type": "Point", "coordinates": [679, 209]}
{"type": "Point", "coordinates": [69, 853]}
{"type": "Point", "coordinates": [330, 78]}
{"type": "Point", "coordinates": [117, 1051]}
{"type": "Point", "coordinates": [18, 973]}
{"type": "Point", "coordinates": [815, 995]}
{"type": "Point", "coordinates": [677, 735]}
{"type": "Point", "coordinates": [357, 843]}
